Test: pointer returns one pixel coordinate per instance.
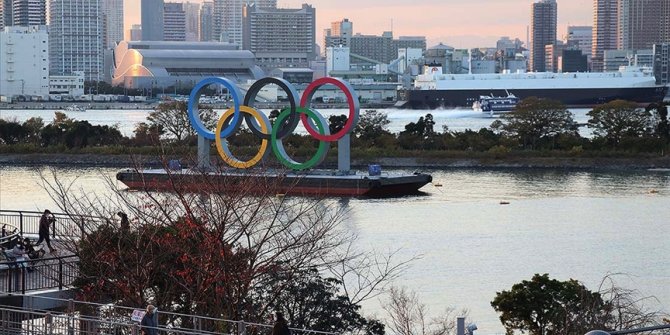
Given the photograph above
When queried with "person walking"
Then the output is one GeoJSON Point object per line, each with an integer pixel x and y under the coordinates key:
{"type": "Point", "coordinates": [281, 326]}
{"type": "Point", "coordinates": [45, 222]}
{"type": "Point", "coordinates": [149, 322]}
{"type": "Point", "coordinates": [125, 223]}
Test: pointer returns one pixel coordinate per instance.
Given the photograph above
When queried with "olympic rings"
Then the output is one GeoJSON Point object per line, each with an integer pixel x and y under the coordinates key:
{"type": "Point", "coordinates": [194, 100]}
{"type": "Point", "coordinates": [352, 100]}
{"type": "Point", "coordinates": [285, 124]}
{"type": "Point", "coordinates": [222, 146]}
{"type": "Point", "coordinates": [292, 99]}
{"type": "Point", "coordinates": [278, 146]}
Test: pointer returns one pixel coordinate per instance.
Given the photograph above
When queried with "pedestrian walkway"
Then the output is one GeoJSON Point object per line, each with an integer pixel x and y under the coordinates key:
{"type": "Point", "coordinates": [91, 318]}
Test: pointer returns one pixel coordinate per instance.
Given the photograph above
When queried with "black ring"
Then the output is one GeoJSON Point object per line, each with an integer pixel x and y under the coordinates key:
{"type": "Point", "coordinates": [293, 119]}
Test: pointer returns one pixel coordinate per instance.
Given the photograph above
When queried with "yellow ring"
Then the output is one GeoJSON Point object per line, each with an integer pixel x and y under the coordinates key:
{"type": "Point", "coordinates": [221, 147]}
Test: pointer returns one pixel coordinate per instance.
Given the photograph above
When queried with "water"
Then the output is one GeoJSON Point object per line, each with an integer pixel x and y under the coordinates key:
{"type": "Point", "coordinates": [455, 119]}
{"type": "Point", "coordinates": [580, 225]}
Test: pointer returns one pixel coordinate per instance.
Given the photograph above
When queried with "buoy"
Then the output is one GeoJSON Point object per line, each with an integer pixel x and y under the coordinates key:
{"type": "Point", "coordinates": [437, 184]}
{"type": "Point", "coordinates": [504, 202]}
{"type": "Point", "coordinates": [653, 191]}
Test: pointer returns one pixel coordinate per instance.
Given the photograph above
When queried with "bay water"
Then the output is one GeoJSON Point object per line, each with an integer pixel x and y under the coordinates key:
{"type": "Point", "coordinates": [570, 224]}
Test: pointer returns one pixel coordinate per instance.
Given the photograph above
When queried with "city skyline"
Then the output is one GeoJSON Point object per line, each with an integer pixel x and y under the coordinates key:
{"type": "Point", "coordinates": [476, 23]}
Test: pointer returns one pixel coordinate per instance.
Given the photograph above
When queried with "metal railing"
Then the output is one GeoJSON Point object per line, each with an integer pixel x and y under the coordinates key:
{"type": "Point", "coordinates": [65, 225]}
{"type": "Point", "coordinates": [115, 319]}
{"type": "Point", "coordinates": [38, 274]}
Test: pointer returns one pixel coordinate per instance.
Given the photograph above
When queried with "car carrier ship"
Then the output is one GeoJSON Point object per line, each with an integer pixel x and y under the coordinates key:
{"type": "Point", "coordinates": [434, 89]}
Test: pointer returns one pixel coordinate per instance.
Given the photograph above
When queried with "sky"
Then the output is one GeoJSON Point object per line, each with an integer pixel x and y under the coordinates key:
{"type": "Point", "coordinates": [459, 23]}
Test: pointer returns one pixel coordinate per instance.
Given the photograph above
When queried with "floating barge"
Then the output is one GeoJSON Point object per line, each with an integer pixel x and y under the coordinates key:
{"type": "Point", "coordinates": [318, 183]}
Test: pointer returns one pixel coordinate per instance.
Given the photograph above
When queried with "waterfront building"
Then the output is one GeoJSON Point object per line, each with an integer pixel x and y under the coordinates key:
{"type": "Point", "coordinates": [24, 69]}
{"type": "Point", "coordinates": [75, 38]}
{"type": "Point", "coordinates": [377, 48]}
{"type": "Point", "coordinates": [5, 13]}
{"type": "Point", "coordinates": [613, 59]}
{"type": "Point", "coordinates": [551, 54]}
{"type": "Point", "coordinates": [661, 60]}
{"type": "Point", "coordinates": [572, 60]}
{"type": "Point", "coordinates": [605, 31]}
{"type": "Point", "coordinates": [280, 37]}
{"type": "Point", "coordinates": [152, 20]}
{"type": "Point", "coordinates": [542, 33]}
{"type": "Point", "coordinates": [192, 12]}
{"type": "Point", "coordinates": [67, 85]}
{"type": "Point", "coordinates": [505, 43]}
{"type": "Point", "coordinates": [29, 13]}
{"type": "Point", "coordinates": [643, 23]}
{"type": "Point", "coordinates": [207, 21]}
{"type": "Point", "coordinates": [339, 34]}
{"type": "Point", "coordinates": [160, 64]}
{"type": "Point", "coordinates": [113, 22]}
{"type": "Point", "coordinates": [174, 20]}
{"type": "Point", "coordinates": [136, 32]}
{"type": "Point", "coordinates": [228, 24]}
{"type": "Point", "coordinates": [582, 37]}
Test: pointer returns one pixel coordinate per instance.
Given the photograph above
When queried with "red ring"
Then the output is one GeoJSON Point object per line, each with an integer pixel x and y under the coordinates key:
{"type": "Point", "coordinates": [306, 98]}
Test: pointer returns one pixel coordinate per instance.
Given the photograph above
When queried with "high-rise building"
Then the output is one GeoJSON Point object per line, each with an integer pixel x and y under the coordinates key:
{"type": "Point", "coordinates": [542, 32]}
{"type": "Point", "coordinates": [582, 37]}
{"type": "Point", "coordinates": [75, 38]}
{"type": "Point", "coordinates": [207, 21]}
{"type": "Point", "coordinates": [228, 18]}
{"type": "Point", "coordinates": [174, 21]}
{"type": "Point", "coordinates": [605, 23]}
{"type": "Point", "coordinates": [136, 32]}
{"type": "Point", "coordinates": [661, 63]}
{"type": "Point", "coordinates": [192, 11]}
{"type": "Point", "coordinates": [339, 34]}
{"type": "Point", "coordinates": [282, 37]}
{"type": "Point", "coordinates": [5, 13]}
{"type": "Point", "coordinates": [152, 20]}
{"type": "Point", "coordinates": [24, 69]}
{"type": "Point", "coordinates": [642, 23]}
{"type": "Point", "coordinates": [113, 22]}
{"type": "Point", "coordinates": [29, 13]}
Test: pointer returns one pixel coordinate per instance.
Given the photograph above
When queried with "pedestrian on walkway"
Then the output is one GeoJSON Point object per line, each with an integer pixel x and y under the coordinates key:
{"type": "Point", "coordinates": [45, 222]}
{"type": "Point", "coordinates": [281, 326]}
{"type": "Point", "coordinates": [149, 322]}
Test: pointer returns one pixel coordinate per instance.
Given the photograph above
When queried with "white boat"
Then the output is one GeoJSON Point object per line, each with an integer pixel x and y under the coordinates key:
{"type": "Point", "coordinates": [492, 104]}
{"type": "Point", "coordinates": [75, 108]}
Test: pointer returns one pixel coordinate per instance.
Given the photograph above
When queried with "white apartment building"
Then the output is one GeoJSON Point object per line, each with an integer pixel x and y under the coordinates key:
{"type": "Point", "coordinates": [75, 38]}
{"type": "Point", "coordinates": [228, 18]}
{"type": "Point", "coordinates": [24, 69]}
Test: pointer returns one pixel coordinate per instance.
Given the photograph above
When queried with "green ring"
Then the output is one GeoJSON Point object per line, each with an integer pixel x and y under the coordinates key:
{"type": "Point", "coordinates": [278, 146]}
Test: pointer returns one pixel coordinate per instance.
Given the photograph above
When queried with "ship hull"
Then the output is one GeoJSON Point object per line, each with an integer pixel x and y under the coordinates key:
{"type": "Point", "coordinates": [289, 184]}
{"type": "Point", "coordinates": [572, 97]}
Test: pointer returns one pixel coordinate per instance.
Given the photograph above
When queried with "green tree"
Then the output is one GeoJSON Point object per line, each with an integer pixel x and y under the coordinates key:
{"type": "Point", "coordinates": [172, 118]}
{"type": "Point", "coordinates": [313, 302]}
{"type": "Point", "coordinates": [544, 306]}
{"type": "Point", "coordinates": [11, 132]}
{"type": "Point", "coordinates": [661, 112]}
{"type": "Point", "coordinates": [371, 125]}
{"type": "Point", "coordinates": [619, 119]}
{"type": "Point", "coordinates": [535, 121]}
{"type": "Point", "coordinates": [33, 127]}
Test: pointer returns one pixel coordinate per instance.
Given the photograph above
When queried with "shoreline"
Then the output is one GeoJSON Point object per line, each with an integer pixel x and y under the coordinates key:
{"type": "Point", "coordinates": [555, 163]}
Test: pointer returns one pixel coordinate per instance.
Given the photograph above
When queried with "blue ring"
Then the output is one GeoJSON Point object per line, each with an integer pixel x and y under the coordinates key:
{"type": "Point", "coordinates": [194, 100]}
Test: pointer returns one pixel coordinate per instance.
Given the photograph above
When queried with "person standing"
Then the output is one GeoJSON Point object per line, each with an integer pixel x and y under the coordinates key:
{"type": "Point", "coordinates": [149, 322]}
{"type": "Point", "coordinates": [125, 223]}
{"type": "Point", "coordinates": [281, 326]}
{"type": "Point", "coordinates": [45, 222]}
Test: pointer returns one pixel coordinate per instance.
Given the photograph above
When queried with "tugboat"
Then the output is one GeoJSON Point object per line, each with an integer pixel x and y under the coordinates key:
{"type": "Point", "coordinates": [492, 104]}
